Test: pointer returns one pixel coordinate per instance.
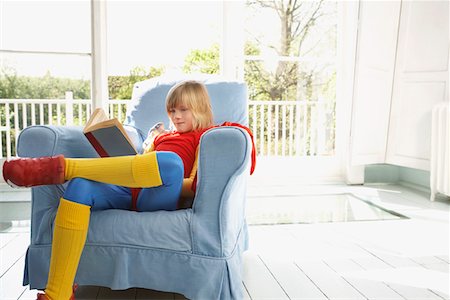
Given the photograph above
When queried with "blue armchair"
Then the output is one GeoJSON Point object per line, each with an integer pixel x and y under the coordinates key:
{"type": "Point", "coordinates": [196, 251]}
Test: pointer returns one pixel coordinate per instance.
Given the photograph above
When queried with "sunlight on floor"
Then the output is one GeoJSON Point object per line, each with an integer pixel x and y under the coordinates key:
{"type": "Point", "coordinates": [414, 277]}
{"type": "Point", "coordinates": [315, 209]}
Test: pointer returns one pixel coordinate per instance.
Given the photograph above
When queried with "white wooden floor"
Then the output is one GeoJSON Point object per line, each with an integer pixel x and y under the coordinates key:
{"type": "Point", "coordinates": [401, 259]}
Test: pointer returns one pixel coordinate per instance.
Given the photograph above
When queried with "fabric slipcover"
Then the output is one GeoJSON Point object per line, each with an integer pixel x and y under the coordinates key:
{"type": "Point", "coordinates": [197, 251]}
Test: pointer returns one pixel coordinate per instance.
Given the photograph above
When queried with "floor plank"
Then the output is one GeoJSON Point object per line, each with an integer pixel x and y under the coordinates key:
{"type": "Point", "coordinates": [260, 283]}
{"type": "Point", "coordinates": [179, 297]}
{"type": "Point", "coordinates": [13, 251]}
{"type": "Point", "coordinates": [7, 237]}
{"type": "Point", "coordinates": [106, 293]}
{"type": "Point", "coordinates": [414, 293]}
{"type": "Point", "coordinates": [328, 281]}
{"type": "Point", "coordinates": [414, 277]}
{"type": "Point", "coordinates": [371, 289]}
{"type": "Point", "coordinates": [11, 282]}
{"type": "Point", "coordinates": [153, 295]}
{"type": "Point", "coordinates": [87, 292]}
{"type": "Point", "coordinates": [444, 258]}
{"type": "Point", "coordinates": [444, 296]}
{"type": "Point", "coordinates": [377, 260]}
{"type": "Point", "coordinates": [293, 281]}
{"type": "Point", "coordinates": [245, 292]}
{"type": "Point", "coordinates": [28, 294]}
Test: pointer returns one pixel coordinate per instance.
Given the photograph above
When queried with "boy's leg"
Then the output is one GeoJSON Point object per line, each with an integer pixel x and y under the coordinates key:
{"type": "Point", "coordinates": [130, 171]}
{"type": "Point", "coordinates": [166, 196]}
{"type": "Point", "coordinates": [69, 237]}
{"type": "Point", "coordinates": [71, 227]}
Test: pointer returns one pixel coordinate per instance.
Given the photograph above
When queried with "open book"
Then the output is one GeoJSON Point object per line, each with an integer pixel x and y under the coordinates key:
{"type": "Point", "coordinates": [108, 136]}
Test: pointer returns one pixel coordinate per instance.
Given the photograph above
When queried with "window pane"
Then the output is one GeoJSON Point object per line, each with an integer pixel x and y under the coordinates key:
{"type": "Point", "coordinates": [44, 76]}
{"type": "Point", "coordinates": [289, 59]}
{"type": "Point", "coordinates": [61, 26]}
{"type": "Point", "coordinates": [305, 28]}
{"type": "Point", "coordinates": [154, 37]}
{"type": "Point", "coordinates": [290, 50]}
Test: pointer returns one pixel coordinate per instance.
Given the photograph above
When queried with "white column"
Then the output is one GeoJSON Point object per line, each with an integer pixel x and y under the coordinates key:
{"type": "Point", "coordinates": [232, 53]}
{"type": "Point", "coordinates": [346, 52]}
{"type": "Point", "coordinates": [99, 86]}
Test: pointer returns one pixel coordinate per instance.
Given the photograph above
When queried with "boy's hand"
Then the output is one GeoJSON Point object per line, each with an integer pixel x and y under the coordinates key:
{"type": "Point", "coordinates": [155, 130]}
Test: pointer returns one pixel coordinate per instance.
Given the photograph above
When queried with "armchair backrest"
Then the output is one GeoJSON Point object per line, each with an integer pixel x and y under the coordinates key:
{"type": "Point", "coordinates": [228, 100]}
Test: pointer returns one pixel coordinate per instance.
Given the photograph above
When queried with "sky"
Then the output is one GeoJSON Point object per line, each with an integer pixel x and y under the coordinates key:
{"type": "Point", "coordinates": [140, 33]}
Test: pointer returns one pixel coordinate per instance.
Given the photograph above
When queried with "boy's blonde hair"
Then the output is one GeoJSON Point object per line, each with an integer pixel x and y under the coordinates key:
{"type": "Point", "coordinates": [194, 96]}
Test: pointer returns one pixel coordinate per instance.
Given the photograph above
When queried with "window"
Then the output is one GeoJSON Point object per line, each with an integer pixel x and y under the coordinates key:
{"type": "Point", "coordinates": [150, 38]}
{"type": "Point", "coordinates": [42, 42]}
{"type": "Point", "coordinates": [290, 68]}
{"type": "Point", "coordinates": [45, 53]}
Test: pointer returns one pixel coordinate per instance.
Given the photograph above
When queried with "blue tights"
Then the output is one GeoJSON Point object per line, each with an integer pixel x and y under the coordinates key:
{"type": "Point", "coordinates": [101, 196]}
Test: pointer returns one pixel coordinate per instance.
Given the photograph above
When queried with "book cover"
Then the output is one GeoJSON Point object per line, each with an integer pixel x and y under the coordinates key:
{"type": "Point", "coordinates": [107, 136]}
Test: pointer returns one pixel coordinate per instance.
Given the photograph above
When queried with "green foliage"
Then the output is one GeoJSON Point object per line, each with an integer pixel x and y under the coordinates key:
{"type": "Point", "coordinates": [304, 33]}
{"type": "Point", "coordinates": [45, 87]}
{"type": "Point", "coordinates": [121, 87]}
{"type": "Point", "coordinates": [13, 86]}
{"type": "Point", "coordinates": [205, 61]}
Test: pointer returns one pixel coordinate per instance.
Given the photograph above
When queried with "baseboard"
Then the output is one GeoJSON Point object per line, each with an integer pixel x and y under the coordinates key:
{"type": "Point", "coordinates": [416, 187]}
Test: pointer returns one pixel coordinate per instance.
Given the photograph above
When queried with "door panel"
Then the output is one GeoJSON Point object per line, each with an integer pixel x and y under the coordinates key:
{"type": "Point", "coordinates": [374, 72]}
{"type": "Point", "coordinates": [421, 81]}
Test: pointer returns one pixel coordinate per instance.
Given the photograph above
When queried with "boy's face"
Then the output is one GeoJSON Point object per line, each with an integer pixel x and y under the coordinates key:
{"type": "Point", "coordinates": [182, 118]}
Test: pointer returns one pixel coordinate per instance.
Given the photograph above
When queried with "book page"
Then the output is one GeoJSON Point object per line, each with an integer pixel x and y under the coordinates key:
{"type": "Point", "coordinates": [97, 117]}
{"type": "Point", "coordinates": [104, 133]}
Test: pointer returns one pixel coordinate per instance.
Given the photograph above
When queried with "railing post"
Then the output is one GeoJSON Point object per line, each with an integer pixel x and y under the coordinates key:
{"type": "Point", "coordinates": [69, 108]}
{"type": "Point", "coordinates": [8, 131]}
{"type": "Point", "coordinates": [321, 126]}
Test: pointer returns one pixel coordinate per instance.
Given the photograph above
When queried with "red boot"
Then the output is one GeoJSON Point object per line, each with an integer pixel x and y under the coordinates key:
{"type": "Point", "coordinates": [43, 297]}
{"type": "Point", "coordinates": [28, 172]}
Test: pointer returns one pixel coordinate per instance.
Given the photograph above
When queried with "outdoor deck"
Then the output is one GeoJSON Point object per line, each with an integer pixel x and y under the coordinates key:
{"type": "Point", "coordinates": [389, 259]}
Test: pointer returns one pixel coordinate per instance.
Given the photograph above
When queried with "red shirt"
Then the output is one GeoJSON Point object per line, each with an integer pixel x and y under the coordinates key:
{"type": "Point", "coordinates": [183, 144]}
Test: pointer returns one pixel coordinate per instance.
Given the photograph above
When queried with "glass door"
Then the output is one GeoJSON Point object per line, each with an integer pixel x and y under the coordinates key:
{"type": "Point", "coordinates": [290, 66]}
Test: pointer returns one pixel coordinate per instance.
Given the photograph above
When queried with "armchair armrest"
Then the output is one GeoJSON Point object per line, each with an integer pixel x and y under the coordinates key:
{"type": "Point", "coordinates": [219, 205]}
{"type": "Point", "coordinates": [40, 140]}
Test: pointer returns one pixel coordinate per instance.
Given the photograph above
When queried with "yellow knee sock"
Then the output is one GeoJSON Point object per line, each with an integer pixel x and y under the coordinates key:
{"type": "Point", "coordinates": [130, 171]}
{"type": "Point", "coordinates": [69, 237]}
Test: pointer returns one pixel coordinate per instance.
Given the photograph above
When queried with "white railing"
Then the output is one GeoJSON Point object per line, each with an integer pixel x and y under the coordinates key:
{"type": "Point", "coordinates": [292, 128]}
{"type": "Point", "coordinates": [17, 114]}
{"type": "Point", "coordinates": [280, 128]}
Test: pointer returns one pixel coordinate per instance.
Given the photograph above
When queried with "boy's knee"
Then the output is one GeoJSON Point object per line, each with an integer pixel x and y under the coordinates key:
{"type": "Point", "coordinates": [79, 190]}
{"type": "Point", "coordinates": [170, 167]}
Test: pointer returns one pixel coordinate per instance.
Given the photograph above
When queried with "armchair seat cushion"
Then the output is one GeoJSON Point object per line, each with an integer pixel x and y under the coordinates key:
{"type": "Point", "coordinates": [116, 227]}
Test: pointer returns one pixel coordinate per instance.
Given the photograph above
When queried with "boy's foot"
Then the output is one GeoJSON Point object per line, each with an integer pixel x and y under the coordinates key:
{"type": "Point", "coordinates": [27, 172]}
{"type": "Point", "coordinates": [43, 297]}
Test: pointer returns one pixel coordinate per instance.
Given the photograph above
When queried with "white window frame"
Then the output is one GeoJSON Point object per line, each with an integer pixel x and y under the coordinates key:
{"type": "Point", "coordinates": [335, 168]}
{"type": "Point", "coordinates": [99, 82]}
{"type": "Point", "coordinates": [99, 77]}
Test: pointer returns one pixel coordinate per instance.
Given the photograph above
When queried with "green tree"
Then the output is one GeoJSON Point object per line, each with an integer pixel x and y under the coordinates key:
{"type": "Point", "coordinates": [13, 86]}
{"type": "Point", "coordinates": [205, 61]}
{"type": "Point", "coordinates": [289, 80]}
{"type": "Point", "coordinates": [121, 87]}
